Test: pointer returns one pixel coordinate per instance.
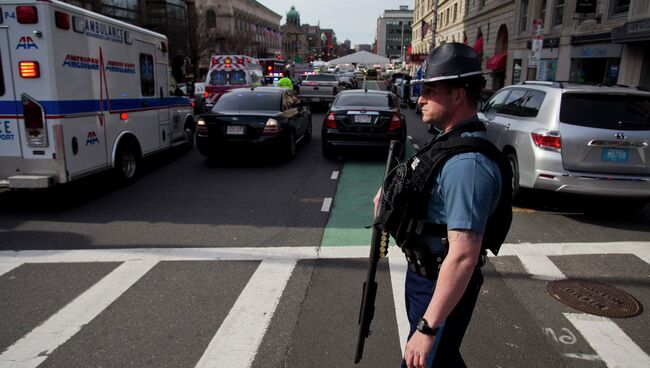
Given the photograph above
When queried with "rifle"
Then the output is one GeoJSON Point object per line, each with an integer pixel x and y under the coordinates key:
{"type": "Point", "coordinates": [378, 249]}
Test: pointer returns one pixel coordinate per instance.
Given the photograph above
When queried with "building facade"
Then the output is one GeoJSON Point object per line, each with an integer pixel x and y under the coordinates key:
{"type": "Point", "coordinates": [235, 27]}
{"type": "Point", "coordinates": [393, 35]}
{"type": "Point", "coordinates": [295, 42]}
{"type": "Point", "coordinates": [363, 47]}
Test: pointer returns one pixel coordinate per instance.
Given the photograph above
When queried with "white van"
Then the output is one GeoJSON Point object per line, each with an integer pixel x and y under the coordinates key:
{"type": "Point", "coordinates": [81, 93]}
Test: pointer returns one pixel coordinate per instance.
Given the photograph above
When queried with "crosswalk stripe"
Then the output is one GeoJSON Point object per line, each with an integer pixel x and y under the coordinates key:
{"type": "Point", "coordinates": [541, 267]}
{"type": "Point", "coordinates": [34, 348]}
{"type": "Point", "coordinates": [398, 265]}
{"type": "Point", "coordinates": [609, 341]}
{"type": "Point", "coordinates": [235, 343]}
{"type": "Point", "coordinates": [7, 267]}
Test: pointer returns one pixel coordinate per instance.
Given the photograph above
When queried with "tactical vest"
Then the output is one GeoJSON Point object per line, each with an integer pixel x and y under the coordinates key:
{"type": "Point", "coordinates": [408, 187]}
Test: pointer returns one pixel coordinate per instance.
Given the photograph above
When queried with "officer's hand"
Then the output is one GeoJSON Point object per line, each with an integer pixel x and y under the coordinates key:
{"type": "Point", "coordinates": [418, 349]}
{"type": "Point", "coordinates": [376, 201]}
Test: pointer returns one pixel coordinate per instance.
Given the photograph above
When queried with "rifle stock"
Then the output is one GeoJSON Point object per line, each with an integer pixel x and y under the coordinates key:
{"type": "Point", "coordinates": [378, 249]}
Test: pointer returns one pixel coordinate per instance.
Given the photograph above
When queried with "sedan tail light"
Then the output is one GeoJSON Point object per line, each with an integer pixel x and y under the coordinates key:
{"type": "Point", "coordinates": [547, 139]}
{"type": "Point", "coordinates": [272, 127]}
{"type": "Point", "coordinates": [395, 122]}
{"type": "Point", "coordinates": [331, 121]}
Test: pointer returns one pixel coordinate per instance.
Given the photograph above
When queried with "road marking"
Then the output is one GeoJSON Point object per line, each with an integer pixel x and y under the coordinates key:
{"type": "Point", "coordinates": [237, 340]}
{"type": "Point", "coordinates": [335, 175]}
{"type": "Point", "coordinates": [7, 267]}
{"type": "Point", "coordinates": [417, 147]}
{"type": "Point", "coordinates": [522, 210]}
{"type": "Point", "coordinates": [589, 357]}
{"type": "Point", "coordinates": [608, 340]}
{"type": "Point", "coordinates": [410, 138]}
{"type": "Point", "coordinates": [541, 267]}
{"type": "Point", "coordinates": [34, 348]}
{"type": "Point", "coordinates": [327, 204]}
{"type": "Point", "coordinates": [398, 265]}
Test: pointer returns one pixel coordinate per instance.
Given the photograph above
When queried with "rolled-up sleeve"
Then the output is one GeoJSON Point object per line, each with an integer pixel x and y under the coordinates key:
{"type": "Point", "coordinates": [470, 185]}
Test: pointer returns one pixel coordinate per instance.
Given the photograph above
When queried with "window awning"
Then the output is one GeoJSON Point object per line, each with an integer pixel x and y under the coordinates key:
{"type": "Point", "coordinates": [497, 62]}
{"type": "Point", "coordinates": [478, 45]}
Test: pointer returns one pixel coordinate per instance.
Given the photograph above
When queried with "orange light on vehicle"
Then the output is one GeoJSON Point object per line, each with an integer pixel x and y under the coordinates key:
{"type": "Point", "coordinates": [29, 69]}
{"type": "Point", "coordinates": [228, 61]}
{"type": "Point", "coordinates": [124, 116]}
{"type": "Point", "coordinates": [269, 68]}
{"type": "Point", "coordinates": [206, 94]}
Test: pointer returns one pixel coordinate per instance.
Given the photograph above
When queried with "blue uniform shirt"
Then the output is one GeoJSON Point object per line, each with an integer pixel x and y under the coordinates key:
{"type": "Point", "coordinates": [465, 193]}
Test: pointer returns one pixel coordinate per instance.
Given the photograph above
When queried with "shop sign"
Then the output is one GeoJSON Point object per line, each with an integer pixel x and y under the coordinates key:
{"type": "Point", "coordinates": [596, 51]}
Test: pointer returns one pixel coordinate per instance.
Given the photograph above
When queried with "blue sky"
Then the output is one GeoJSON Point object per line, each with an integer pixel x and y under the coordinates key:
{"type": "Point", "coordinates": [355, 20]}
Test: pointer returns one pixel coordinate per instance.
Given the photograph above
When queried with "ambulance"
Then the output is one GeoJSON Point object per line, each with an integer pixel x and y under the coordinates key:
{"type": "Point", "coordinates": [229, 72]}
{"type": "Point", "coordinates": [82, 93]}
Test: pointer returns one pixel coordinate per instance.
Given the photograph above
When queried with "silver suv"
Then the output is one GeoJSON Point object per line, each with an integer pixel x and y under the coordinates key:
{"type": "Point", "coordinates": [573, 138]}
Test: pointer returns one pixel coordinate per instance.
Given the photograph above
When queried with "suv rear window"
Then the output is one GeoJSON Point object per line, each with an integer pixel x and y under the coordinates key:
{"type": "Point", "coordinates": [250, 100]}
{"type": "Point", "coordinates": [321, 78]}
{"type": "Point", "coordinates": [364, 100]}
{"type": "Point", "coordinates": [606, 111]}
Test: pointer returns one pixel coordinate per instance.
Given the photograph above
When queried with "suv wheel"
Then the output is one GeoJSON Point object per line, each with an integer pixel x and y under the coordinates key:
{"type": "Point", "coordinates": [514, 167]}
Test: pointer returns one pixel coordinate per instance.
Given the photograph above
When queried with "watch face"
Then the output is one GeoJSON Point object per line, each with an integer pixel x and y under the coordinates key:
{"type": "Point", "coordinates": [421, 324]}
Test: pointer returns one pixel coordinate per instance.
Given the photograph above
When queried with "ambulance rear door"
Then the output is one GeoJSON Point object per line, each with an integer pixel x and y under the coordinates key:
{"type": "Point", "coordinates": [9, 134]}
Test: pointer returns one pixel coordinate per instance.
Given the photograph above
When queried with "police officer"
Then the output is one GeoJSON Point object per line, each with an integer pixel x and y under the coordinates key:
{"type": "Point", "coordinates": [465, 193]}
{"type": "Point", "coordinates": [285, 82]}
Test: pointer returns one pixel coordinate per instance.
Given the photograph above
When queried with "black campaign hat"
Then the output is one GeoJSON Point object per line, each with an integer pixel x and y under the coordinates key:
{"type": "Point", "coordinates": [450, 61]}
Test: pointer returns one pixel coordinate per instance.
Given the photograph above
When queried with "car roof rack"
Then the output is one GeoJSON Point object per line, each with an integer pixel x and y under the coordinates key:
{"type": "Point", "coordinates": [556, 84]}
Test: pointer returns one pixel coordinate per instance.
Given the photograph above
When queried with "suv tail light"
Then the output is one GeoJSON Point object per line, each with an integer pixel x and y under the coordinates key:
{"type": "Point", "coordinates": [272, 127]}
{"type": "Point", "coordinates": [34, 122]}
{"type": "Point", "coordinates": [547, 139]}
{"type": "Point", "coordinates": [331, 121]}
{"type": "Point", "coordinates": [395, 122]}
{"type": "Point", "coordinates": [26, 14]}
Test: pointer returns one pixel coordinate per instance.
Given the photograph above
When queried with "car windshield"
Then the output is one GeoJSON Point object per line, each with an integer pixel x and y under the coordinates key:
{"type": "Point", "coordinates": [606, 111]}
{"type": "Point", "coordinates": [322, 78]}
{"type": "Point", "coordinates": [371, 100]}
{"type": "Point", "coordinates": [248, 100]}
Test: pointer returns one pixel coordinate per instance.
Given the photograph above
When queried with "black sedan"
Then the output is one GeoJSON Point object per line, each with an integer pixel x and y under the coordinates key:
{"type": "Point", "coordinates": [362, 118]}
{"type": "Point", "coordinates": [263, 117]}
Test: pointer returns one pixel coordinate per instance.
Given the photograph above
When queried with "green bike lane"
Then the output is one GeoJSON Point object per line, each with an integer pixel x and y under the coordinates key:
{"type": "Point", "coordinates": [352, 206]}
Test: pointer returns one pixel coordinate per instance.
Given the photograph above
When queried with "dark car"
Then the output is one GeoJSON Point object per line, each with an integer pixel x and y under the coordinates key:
{"type": "Point", "coordinates": [263, 117]}
{"type": "Point", "coordinates": [362, 118]}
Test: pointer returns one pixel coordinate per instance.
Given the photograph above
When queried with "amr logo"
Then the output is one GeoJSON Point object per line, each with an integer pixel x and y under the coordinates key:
{"type": "Point", "coordinates": [26, 43]}
{"type": "Point", "coordinates": [92, 139]}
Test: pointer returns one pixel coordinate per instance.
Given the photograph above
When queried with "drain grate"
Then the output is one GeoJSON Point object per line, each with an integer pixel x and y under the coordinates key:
{"type": "Point", "coordinates": [595, 298]}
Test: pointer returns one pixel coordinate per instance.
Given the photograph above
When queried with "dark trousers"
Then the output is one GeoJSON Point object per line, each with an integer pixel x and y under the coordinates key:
{"type": "Point", "coordinates": [446, 350]}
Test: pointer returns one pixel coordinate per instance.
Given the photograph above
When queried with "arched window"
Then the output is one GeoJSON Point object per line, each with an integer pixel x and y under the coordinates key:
{"type": "Point", "coordinates": [211, 19]}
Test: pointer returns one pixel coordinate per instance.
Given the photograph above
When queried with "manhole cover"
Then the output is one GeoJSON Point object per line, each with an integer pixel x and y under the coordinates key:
{"type": "Point", "coordinates": [595, 298]}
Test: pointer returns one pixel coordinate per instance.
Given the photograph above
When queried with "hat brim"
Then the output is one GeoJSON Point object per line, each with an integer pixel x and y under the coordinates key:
{"type": "Point", "coordinates": [445, 77]}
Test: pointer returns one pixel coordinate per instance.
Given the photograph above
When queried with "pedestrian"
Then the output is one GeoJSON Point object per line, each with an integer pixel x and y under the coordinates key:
{"type": "Point", "coordinates": [285, 81]}
{"type": "Point", "coordinates": [466, 191]}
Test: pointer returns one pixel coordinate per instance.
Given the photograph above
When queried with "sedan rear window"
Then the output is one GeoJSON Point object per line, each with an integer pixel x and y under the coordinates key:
{"type": "Point", "coordinates": [364, 100]}
{"type": "Point", "coordinates": [606, 111]}
{"type": "Point", "coordinates": [321, 78]}
{"type": "Point", "coordinates": [250, 100]}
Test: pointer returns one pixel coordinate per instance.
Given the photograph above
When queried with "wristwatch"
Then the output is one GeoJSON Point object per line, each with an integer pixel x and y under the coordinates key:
{"type": "Point", "coordinates": [423, 326]}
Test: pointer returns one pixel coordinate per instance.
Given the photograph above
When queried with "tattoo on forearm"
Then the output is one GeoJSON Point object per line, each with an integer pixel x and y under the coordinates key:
{"type": "Point", "coordinates": [464, 236]}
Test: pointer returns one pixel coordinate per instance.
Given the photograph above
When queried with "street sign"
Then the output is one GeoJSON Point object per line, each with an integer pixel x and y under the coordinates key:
{"type": "Point", "coordinates": [537, 43]}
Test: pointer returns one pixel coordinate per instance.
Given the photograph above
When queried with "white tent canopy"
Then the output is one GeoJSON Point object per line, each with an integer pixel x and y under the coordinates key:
{"type": "Point", "coordinates": [361, 57]}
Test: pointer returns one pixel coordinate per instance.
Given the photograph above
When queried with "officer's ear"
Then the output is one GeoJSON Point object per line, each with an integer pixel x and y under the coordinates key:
{"type": "Point", "coordinates": [459, 96]}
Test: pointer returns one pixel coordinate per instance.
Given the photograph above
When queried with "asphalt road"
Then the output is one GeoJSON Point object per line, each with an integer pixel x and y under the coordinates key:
{"type": "Point", "coordinates": [235, 264]}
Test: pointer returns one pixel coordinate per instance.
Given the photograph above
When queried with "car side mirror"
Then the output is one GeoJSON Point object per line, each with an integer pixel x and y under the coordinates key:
{"type": "Point", "coordinates": [330, 105]}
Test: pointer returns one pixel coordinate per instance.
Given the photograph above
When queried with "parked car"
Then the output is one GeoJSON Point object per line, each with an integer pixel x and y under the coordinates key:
{"type": "Point", "coordinates": [371, 74]}
{"type": "Point", "coordinates": [362, 118]}
{"type": "Point", "coordinates": [263, 117]}
{"type": "Point", "coordinates": [573, 138]}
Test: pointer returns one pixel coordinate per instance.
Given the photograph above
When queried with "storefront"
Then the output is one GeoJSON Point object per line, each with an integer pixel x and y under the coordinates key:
{"type": "Point", "coordinates": [636, 37]}
{"type": "Point", "coordinates": [595, 63]}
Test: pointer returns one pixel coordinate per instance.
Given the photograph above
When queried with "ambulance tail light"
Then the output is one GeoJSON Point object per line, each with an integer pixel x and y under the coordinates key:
{"type": "Point", "coordinates": [35, 127]}
{"type": "Point", "coordinates": [62, 20]}
{"type": "Point", "coordinates": [206, 94]}
{"type": "Point", "coordinates": [26, 14]}
{"type": "Point", "coordinates": [29, 69]}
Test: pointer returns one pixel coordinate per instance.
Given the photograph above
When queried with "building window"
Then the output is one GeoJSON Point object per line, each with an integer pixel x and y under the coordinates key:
{"type": "Point", "coordinates": [447, 17]}
{"type": "Point", "coordinates": [455, 11]}
{"type": "Point", "coordinates": [466, 7]}
{"type": "Point", "coordinates": [619, 7]}
{"type": "Point", "coordinates": [147, 82]}
{"type": "Point", "coordinates": [542, 11]}
{"type": "Point", "coordinates": [558, 12]}
{"type": "Point", "coordinates": [211, 19]}
{"type": "Point", "coordinates": [523, 24]}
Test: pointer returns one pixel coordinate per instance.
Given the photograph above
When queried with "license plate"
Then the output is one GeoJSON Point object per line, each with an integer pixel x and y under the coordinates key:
{"type": "Point", "coordinates": [235, 129]}
{"type": "Point", "coordinates": [362, 118]}
{"type": "Point", "coordinates": [615, 154]}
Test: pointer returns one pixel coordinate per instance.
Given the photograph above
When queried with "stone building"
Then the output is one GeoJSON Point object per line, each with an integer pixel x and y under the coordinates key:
{"type": "Point", "coordinates": [393, 33]}
{"type": "Point", "coordinates": [295, 42]}
{"type": "Point", "coordinates": [235, 27]}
